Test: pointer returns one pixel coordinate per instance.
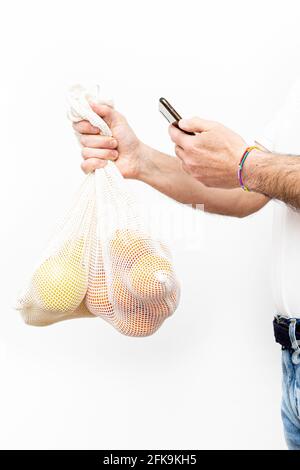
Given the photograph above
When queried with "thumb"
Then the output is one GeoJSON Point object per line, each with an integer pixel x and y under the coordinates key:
{"type": "Point", "coordinates": [111, 116]}
{"type": "Point", "coordinates": [104, 111]}
{"type": "Point", "coordinates": [195, 124]}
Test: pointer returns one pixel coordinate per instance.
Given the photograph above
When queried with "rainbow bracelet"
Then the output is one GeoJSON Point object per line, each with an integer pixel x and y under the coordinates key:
{"type": "Point", "coordinates": [241, 164]}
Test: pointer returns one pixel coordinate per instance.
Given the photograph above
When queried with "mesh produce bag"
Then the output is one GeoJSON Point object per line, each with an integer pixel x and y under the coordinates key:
{"type": "Point", "coordinates": [57, 286]}
{"type": "Point", "coordinates": [103, 261]}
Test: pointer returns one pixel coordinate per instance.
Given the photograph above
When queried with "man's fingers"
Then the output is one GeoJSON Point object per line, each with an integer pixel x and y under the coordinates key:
{"type": "Point", "coordinates": [179, 152]}
{"type": "Point", "coordinates": [92, 164]}
{"type": "Point", "coordinates": [196, 124]}
{"type": "Point", "coordinates": [105, 154]}
{"type": "Point", "coordinates": [98, 141]}
{"type": "Point", "coordinates": [104, 111]}
{"type": "Point", "coordinates": [84, 127]}
{"type": "Point", "coordinates": [179, 138]}
{"type": "Point", "coordinates": [181, 155]}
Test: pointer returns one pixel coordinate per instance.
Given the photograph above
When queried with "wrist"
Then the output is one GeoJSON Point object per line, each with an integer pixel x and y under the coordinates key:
{"type": "Point", "coordinates": [251, 164]}
{"type": "Point", "coordinates": [132, 167]}
{"type": "Point", "coordinates": [145, 166]}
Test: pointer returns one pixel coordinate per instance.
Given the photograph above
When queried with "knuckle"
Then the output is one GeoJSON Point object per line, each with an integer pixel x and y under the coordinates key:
{"type": "Point", "coordinates": [109, 142]}
{"type": "Point", "coordinates": [82, 126]}
{"type": "Point", "coordinates": [92, 130]}
{"type": "Point", "coordinates": [113, 154]}
{"type": "Point", "coordinates": [113, 143]}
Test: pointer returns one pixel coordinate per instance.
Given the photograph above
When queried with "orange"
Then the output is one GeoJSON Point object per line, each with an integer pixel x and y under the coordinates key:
{"type": "Point", "coordinates": [144, 319]}
{"type": "Point", "coordinates": [151, 277]}
{"type": "Point", "coordinates": [139, 318]}
{"type": "Point", "coordinates": [96, 299]}
{"type": "Point", "coordinates": [127, 246]}
{"type": "Point", "coordinates": [122, 297]}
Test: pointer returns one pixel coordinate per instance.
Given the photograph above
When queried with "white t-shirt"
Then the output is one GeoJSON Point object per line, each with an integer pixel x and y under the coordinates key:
{"type": "Point", "coordinates": [282, 135]}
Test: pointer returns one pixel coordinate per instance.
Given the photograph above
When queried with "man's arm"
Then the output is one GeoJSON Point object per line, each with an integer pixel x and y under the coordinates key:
{"type": "Point", "coordinates": [165, 173]}
{"type": "Point", "coordinates": [136, 160]}
{"type": "Point", "coordinates": [275, 175]}
{"type": "Point", "coordinates": [213, 154]}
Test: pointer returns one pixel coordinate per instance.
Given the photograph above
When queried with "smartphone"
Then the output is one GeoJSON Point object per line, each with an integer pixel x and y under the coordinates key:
{"type": "Point", "coordinates": [171, 114]}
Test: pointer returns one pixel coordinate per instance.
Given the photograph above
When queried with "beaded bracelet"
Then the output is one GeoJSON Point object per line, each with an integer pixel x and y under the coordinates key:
{"type": "Point", "coordinates": [241, 164]}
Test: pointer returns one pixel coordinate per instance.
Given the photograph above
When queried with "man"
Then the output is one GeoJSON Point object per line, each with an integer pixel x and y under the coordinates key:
{"type": "Point", "coordinates": [206, 172]}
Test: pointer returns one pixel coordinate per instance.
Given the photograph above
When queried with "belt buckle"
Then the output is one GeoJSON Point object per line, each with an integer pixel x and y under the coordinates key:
{"type": "Point", "coordinates": [281, 319]}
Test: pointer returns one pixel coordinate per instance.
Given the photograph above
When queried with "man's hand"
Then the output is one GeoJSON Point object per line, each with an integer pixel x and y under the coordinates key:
{"type": "Point", "coordinates": [123, 147]}
{"type": "Point", "coordinates": [212, 155]}
{"type": "Point", "coordinates": [162, 172]}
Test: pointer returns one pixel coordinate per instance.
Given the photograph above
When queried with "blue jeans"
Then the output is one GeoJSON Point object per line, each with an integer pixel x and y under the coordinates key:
{"type": "Point", "coordinates": [290, 410]}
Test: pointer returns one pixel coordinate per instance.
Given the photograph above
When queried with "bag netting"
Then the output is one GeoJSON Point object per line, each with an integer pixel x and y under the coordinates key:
{"type": "Point", "coordinates": [102, 261]}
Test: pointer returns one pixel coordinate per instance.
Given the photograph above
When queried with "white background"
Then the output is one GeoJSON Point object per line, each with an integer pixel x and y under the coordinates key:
{"type": "Point", "coordinates": [210, 377]}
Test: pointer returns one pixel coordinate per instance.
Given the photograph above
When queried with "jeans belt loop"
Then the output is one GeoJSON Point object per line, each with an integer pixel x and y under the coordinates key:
{"type": "Point", "coordinates": [294, 342]}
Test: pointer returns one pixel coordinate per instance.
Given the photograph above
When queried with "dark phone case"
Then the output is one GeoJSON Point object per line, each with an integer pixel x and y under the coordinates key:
{"type": "Point", "coordinates": [171, 114]}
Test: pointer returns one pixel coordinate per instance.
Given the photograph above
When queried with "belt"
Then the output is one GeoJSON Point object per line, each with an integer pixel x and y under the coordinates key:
{"type": "Point", "coordinates": [288, 337]}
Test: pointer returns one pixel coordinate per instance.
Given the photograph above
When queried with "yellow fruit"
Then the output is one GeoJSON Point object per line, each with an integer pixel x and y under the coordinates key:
{"type": "Point", "coordinates": [61, 281]}
{"type": "Point", "coordinates": [97, 300]}
{"type": "Point", "coordinates": [151, 277]}
{"type": "Point", "coordinates": [127, 246]}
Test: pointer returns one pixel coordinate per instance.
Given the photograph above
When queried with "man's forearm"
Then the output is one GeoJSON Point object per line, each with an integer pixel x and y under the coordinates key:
{"type": "Point", "coordinates": [276, 176]}
{"type": "Point", "coordinates": [165, 173]}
